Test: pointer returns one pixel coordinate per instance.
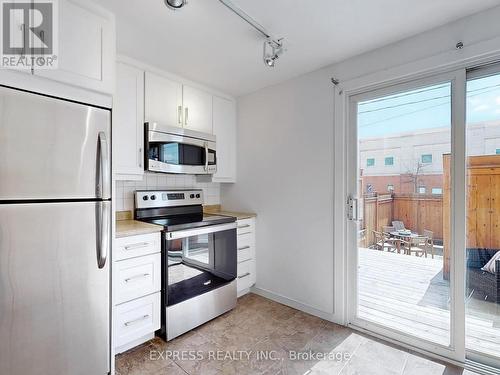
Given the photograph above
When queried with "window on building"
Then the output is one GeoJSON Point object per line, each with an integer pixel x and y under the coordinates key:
{"type": "Point", "coordinates": [427, 158]}
{"type": "Point", "coordinates": [437, 191]}
{"type": "Point", "coordinates": [389, 160]}
{"type": "Point", "coordinates": [422, 189]}
{"type": "Point", "coordinates": [370, 162]}
{"type": "Point", "coordinates": [390, 187]}
{"type": "Point", "coordinates": [497, 151]}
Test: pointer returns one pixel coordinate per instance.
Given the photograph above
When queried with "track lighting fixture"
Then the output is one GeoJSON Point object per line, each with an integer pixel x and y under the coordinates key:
{"type": "Point", "coordinates": [273, 48]}
{"type": "Point", "coordinates": [175, 4]}
{"type": "Point", "coordinates": [272, 51]}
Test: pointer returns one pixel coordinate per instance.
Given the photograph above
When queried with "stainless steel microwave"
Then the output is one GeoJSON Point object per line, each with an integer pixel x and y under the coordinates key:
{"type": "Point", "coordinates": [177, 150]}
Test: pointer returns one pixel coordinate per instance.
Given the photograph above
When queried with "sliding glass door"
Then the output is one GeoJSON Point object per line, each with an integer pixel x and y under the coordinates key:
{"type": "Point", "coordinates": [483, 215]}
{"type": "Point", "coordinates": [423, 229]}
{"type": "Point", "coordinates": [402, 179]}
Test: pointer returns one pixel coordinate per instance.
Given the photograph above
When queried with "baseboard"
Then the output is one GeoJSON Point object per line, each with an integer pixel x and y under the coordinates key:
{"type": "Point", "coordinates": [244, 291]}
{"type": "Point", "coordinates": [293, 303]}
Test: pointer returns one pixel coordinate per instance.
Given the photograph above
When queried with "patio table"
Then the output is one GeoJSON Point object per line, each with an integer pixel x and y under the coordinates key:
{"type": "Point", "coordinates": [403, 236]}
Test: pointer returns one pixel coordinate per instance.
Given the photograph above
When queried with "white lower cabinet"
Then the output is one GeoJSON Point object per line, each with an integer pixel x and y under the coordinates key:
{"type": "Point", "coordinates": [137, 277]}
{"type": "Point", "coordinates": [136, 319]}
{"type": "Point", "coordinates": [246, 255]}
{"type": "Point", "coordinates": [136, 288]}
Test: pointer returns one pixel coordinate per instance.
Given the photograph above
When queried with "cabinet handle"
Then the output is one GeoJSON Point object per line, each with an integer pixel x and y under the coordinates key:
{"type": "Point", "coordinates": [243, 226]}
{"type": "Point", "coordinates": [179, 114]}
{"type": "Point", "coordinates": [186, 115]}
{"type": "Point", "coordinates": [137, 246]}
{"type": "Point", "coordinates": [140, 157]}
{"type": "Point", "coordinates": [137, 277]}
{"type": "Point", "coordinates": [244, 275]}
{"type": "Point", "coordinates": [243, 248]}
{"type": "Point", "coordinates": [126, 324]}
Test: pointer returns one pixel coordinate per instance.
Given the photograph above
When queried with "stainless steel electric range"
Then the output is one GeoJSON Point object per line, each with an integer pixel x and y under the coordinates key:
{"type": "Point", "coordinates": [199, 258]}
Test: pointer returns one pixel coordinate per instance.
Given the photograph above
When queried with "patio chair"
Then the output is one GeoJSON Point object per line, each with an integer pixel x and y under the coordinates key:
{"type": "Point", "coordinates": [398, 225]}
{"type": "Point", "coordinates": [418, 245]}
{"type": "Point", "coordinates": [482, 285]}
{"type": "Point", "coordinates": [383, 241]}
{"type": "Point", "coordinates": [430, 238]}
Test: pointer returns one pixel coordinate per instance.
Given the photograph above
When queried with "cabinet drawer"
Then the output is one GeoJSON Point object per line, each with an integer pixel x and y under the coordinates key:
{"type": "Point", "coordinates": [137, 277]}
{"type": "Point", "coordinates": [135, 246]}
{"type": "Point", "coordinates": [246, 239]}
{"type": "Point", "coordinates": [246, 226]}
{"type": "Point", "coordinates": [245, 252]}
{"type": "Point", "coordinates": [136, 319]}
{"type": "Point", "coordinates": [246, 274]}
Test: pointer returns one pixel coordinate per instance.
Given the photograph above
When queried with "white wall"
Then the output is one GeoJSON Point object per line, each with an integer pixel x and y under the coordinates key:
{"type": "Point", "coordinates": [285, 162]}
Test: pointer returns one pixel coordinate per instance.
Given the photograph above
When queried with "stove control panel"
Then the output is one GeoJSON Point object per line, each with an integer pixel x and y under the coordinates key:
{"type": "Point", "coordinates": [167, 198]}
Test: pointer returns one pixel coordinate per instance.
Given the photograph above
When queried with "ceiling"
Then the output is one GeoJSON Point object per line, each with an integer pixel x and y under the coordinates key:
{"type": "Point", "coordinates": [207, 43]}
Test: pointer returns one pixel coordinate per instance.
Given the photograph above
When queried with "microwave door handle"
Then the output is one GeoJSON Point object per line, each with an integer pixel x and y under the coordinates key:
{"type": "Point", "coordinates": [206, 156]}
{"type": "Point", "coordinates": [103, 188]}
{"type": "Point", "coordinates": [102, 232]}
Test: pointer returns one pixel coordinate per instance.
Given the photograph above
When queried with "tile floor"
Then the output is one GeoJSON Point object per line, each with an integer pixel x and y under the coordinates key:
{"type": "Point", "coordinates": [264, 337]}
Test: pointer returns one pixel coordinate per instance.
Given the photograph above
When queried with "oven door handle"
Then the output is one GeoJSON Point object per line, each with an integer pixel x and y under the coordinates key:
{"type": "Point", "coordinates": [199, 231]}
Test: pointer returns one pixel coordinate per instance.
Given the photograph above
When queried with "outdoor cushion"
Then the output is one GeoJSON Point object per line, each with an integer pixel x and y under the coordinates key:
{"type": "Point", "coordinates": [490, 266]}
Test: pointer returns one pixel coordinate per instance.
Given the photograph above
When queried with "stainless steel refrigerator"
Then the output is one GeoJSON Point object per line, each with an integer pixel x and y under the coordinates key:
{"type": "Point", "coordinates": [55, 212]}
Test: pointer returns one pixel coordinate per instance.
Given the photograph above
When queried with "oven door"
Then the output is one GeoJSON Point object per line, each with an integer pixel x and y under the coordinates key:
{"type": "Point", "coordinates": [179, 152]}
{"type": "Point", "coordinates": [199, 260]}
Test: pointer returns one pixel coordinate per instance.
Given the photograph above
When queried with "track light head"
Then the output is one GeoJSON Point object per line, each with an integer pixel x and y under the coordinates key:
{"type": "Point", "coordinates": [273, 48]}
{"type": "Point", "coordinates": [175, 4]}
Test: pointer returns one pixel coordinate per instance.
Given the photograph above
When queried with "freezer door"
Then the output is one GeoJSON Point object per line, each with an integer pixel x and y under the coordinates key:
{"type": "Point", "coordinates": [54, 298]}
{"type": "Point", "coordinates": [52, 148]}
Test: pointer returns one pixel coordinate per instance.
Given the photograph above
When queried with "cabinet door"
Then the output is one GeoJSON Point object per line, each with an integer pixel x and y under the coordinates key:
{"type": "Point", "coordinates": [86, 56]}
{"type": "Point", "coordinates": [197, 109]}
{"type": "Point", "coordinates": [224, 127]}
{"type": "Point", "coordinates": [163, 100]}
{"type": "Point", "coordinates": [128, 122]}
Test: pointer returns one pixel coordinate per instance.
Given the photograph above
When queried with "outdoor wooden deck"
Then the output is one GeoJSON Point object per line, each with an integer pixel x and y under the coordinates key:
{"type": "Point", "coordinates": [409, 294]}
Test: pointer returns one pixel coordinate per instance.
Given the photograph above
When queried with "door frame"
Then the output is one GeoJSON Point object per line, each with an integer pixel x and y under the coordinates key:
{"type": "Point", "coordinates": [473, 55]}
{"type": "Point", "coordinates": [471, 74]}
{"type": "Point", "coordinates": [455, 351]}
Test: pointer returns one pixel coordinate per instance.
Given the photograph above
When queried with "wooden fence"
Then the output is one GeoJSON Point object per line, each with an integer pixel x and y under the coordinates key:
{"type": "Point", "coordinates": [416, 211]}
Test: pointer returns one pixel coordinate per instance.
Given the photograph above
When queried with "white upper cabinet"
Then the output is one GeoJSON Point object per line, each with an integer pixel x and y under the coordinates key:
{"type": "Point", "coordinates": [86, 55]}
{"type": "Point", "coordinates": [197, 109]}
{"type": "Point", "coordinates": [224, 127]}
{"type": "Point", "coordinates": [128, 123]}
{"type": "Point", "coordinates": [163, 100]}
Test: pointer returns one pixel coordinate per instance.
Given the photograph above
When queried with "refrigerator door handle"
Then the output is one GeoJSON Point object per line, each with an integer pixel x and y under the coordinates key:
{"type": "Point", "coordinates": [102, 230]}
{"type": "Point", "coordinates": [103, 184]}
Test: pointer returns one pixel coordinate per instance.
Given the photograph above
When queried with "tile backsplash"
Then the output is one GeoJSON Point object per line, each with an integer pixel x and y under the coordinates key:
{"type": "Point", "coordinates": [124, 196]}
